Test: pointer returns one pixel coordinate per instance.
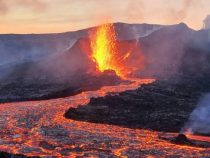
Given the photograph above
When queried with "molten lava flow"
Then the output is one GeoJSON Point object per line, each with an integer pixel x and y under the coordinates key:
{"type": "Point", "coordinates": [105, 52]}
{"type": "Point", "coordinates": [38, 128]}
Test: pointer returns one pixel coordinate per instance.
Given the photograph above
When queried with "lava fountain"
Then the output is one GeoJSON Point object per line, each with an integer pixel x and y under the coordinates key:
{"type": "Point", "coordinates": [105, 51]}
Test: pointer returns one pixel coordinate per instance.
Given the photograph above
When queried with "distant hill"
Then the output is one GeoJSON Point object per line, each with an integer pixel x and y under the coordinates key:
{"type": "Point", "coordinates": [17, 47]}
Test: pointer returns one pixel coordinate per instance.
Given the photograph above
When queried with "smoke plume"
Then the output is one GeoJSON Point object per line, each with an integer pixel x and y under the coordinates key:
{"type": "Point", "coordinates": [199, 121]}
{"type": "Point", "coordinates": [206, 22]}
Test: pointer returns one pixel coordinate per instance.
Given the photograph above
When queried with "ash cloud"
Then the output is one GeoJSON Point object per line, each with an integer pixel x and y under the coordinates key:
{"type": "Point", "coordinates": [199, 121]}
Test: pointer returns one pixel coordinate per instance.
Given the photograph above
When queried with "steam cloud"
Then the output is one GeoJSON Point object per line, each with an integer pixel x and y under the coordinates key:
{"type": "Point", "coordinates": [207, 22]}
{"type": "Point", "coordinates": [199, 121]}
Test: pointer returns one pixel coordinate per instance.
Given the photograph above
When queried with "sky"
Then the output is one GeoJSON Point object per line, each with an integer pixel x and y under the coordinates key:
{"type": "Point", "coordinates": [51, 16]}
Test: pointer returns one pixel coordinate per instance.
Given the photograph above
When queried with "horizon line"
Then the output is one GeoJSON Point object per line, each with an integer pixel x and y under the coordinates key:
{"type": "Point", "coordinates": [97, 25]}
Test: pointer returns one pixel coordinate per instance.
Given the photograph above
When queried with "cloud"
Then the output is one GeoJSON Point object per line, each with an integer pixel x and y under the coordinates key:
{"type": "Point", "coordinates": [178, 15]}
{"type": "Point", "coordinates": [3, 7]}
{"type": "Point", "coordinates": [136, 9]}
{"type": "Point", "coordinates": [34, 5]}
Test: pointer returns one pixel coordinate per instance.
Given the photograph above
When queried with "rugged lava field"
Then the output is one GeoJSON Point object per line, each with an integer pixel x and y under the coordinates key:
{"type": "Point", "coordinates": [39, 129]}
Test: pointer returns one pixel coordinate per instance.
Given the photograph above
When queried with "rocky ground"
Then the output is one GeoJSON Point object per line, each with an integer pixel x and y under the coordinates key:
{"type": "Point", "coordinates": [26, 89]}
{"type": "Point", "coordinates": [38, 128]}
{"type": "Point", "coordinates": [7, 155]}
{"type": "Point", "coordinates": [162, 106]}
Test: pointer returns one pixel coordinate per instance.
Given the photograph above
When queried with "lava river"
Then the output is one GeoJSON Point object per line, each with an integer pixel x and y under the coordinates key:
{"type": "Point", "coordinates": [38, 128]}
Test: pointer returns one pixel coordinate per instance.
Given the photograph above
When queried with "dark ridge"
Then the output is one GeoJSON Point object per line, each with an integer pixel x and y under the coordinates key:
{"type": "Point", "coordinates": [33, 92]}
{"type": "Point", "coordinates": [161, 106]}
{"type": "Point", "coordinates": [183, 140]}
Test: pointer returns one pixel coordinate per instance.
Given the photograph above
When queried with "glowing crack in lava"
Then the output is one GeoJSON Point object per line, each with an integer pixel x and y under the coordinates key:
{"type": "Point", "coordinates": [105, 52]}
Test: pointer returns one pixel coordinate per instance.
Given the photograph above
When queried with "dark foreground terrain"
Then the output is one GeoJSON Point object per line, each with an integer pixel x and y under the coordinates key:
{"type": "Point", "coordinates": [38, 128]}
{"type": "Point", "coordinates": [163, 105]}
{"type": "Point", "coordinates": [32, 89]}
{"type": "Point", "coordinates": [7, 155]}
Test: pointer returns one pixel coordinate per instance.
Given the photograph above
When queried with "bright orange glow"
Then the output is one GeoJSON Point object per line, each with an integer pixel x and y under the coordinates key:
{"type": "Point", "coordinates": [105, 52]}
{"type": "Point", "coordinates": [27, 125]}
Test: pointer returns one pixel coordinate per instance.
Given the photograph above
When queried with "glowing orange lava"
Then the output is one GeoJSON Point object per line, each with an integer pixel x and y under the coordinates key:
{"type": "Point", "coordinates": [105, 52]}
